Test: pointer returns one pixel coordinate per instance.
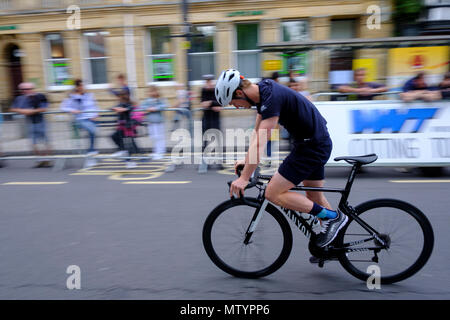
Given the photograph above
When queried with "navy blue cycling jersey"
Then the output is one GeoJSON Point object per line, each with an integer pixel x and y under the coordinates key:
{"type": "Point", "coordinates": [296, 113]}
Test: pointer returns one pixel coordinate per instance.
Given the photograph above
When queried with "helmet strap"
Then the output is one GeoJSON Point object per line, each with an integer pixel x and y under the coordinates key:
{"type": "Point", "coordinates": [252, 103]}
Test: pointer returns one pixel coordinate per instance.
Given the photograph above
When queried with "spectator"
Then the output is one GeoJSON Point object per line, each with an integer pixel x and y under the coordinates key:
{"type": "Point", "coordinates": [211, 108]}
{"type": "Point", "coordinates": [126, 129]}
{"type": "Point", "coordinates": [417, 89]}
{"type": "Point", "coordinates": [211, 112]}
{"type": "Point", "coordinates": [80, 103]}
{"type": "Point", "coordinates": [292, 84]}
{"type": "Point", "coordinates": [183, 103]}
{"type": "Point", "coordinates": [32, 105]}
{"type": "Point", "coordinates": [363, 90]}
{"type": "Point", "coordinates": [1, 155]}
{"type": "Point", "coordinates": [444, 86]}
{"type": "Point", "coordinates": [123, 86]}
{"type": "Point", "coordinates": [156, 128]}
{"type": "Point", "coordinates": [302, 88]}
{"type": "Point", "coordinates": [275, 76]}
{"type": "Point", "coordinates": [292, 76]}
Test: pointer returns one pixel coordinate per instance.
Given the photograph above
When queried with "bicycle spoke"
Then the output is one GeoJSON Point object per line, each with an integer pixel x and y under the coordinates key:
{"type": "Point", "coordinates": [230, 231]}
{"type": "Point", "coordinates": [397, 227]}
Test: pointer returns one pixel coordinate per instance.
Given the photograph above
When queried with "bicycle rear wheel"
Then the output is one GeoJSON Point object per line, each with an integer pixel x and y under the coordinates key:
{"type": "Point", "coordinates": [224, 232]}
{"type": "Point", "coordinates": [404, 227]}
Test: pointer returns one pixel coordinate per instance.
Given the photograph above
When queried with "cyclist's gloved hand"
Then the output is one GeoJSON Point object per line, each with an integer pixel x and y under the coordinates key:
{"type": "Point", "coordinates": [237, 187]}
{"type": "Point", "coordinates": [239, 165]}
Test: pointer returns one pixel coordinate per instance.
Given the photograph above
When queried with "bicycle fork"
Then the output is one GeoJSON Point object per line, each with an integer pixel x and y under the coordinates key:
{"type": "Point", "coordinates": [255, 221]}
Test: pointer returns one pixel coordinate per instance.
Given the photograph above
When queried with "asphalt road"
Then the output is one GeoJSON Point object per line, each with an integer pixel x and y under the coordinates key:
{"type": "Point", "coordinates": [143, 241]}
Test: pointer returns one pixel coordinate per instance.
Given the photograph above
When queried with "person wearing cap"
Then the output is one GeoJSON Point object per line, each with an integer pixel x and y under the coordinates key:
{"type": "Point", "coordinates": [416, 88]}
{"type": "Point", "coordinates": [32, 105]}
{"type": "Point", "coordinates": [277, 104]}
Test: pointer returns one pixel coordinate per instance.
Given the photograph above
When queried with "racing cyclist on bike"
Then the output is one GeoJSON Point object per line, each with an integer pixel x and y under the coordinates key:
{"type": "Point", "coordinates": [312, 147]}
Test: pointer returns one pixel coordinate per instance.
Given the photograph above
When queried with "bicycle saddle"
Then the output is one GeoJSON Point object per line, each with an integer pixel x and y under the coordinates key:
{"type": "Point", "coordinates": [368, 158]}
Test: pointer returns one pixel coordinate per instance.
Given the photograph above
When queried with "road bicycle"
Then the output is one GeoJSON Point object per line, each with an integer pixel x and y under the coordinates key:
{"type": "Point", "coordinates": [250, 237]}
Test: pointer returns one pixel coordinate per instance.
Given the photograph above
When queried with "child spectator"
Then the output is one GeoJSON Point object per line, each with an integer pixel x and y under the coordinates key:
{"type": "Point", "coordinates": [156, 128]}
{"type": "Point", "coordinates": [126, 129]}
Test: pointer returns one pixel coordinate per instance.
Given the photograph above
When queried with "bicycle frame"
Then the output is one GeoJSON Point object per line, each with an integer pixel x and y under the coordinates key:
{"type": "Point", "coordinates": [306, 228]}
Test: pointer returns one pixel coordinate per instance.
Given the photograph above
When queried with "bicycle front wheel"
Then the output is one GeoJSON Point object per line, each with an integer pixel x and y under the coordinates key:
{"type": "Point", "coordinates": [403, 227]}
{"type": "Point", "coordinates": [224, 234]}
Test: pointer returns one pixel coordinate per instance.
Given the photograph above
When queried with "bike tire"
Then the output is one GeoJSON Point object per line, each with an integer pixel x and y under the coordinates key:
{"type": "Point", "coordinates": [274, 212]}
{"type": "Point", "coordinates": [425, 226]}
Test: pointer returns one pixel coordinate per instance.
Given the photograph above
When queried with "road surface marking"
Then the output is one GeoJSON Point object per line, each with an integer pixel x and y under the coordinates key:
{"type": "Point", "coordinates": [421, 181]}
{"type": "Point", "coordinates": [25, 183]}
{"type": "Point", "coordinates": [156, 182]}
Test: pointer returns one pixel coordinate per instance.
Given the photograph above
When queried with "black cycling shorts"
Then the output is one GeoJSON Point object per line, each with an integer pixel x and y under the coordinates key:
{"type": "Point", "coordinates": [306, 161]}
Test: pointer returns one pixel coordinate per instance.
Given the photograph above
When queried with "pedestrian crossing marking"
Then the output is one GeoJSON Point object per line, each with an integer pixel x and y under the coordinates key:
{"type": "Point", "coordinates": [421, 181]}
{"type": "Point", "coordinates": [33, 183]}
{"type": "Point", "coordinates": [156, 182]}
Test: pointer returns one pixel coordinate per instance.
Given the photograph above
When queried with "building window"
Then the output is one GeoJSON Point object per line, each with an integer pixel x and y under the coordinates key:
{"type": "Point", "coordinates": [343, 29]}
{"type": "Point", "coordinates": [202, 55]}
{"type": "Point", "coordinates": [95, 60]}
{"type": "Point", "coordinates": [247, 53]}
{"type": "Point", "coordinates": [5, 4]}
{"type": "Point", "coordinates": [53, 3]}
{"type": "Point", "coordinates": [56, 62]}
{"type": "Point", "coordinates": [160, 57]}
{"type": "Point", "coordinates": [295, 30]}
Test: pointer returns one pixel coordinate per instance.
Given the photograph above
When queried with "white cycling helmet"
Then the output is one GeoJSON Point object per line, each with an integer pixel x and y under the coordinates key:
{"type": "Point", "coordinates": [226, 84]}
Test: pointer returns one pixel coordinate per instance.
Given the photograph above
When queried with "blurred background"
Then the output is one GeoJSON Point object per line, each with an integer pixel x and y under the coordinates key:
{"type": "Point", "coordinates": [327, 50]}
{"type": "Point", "coordinates": [73, 75]}
{"type": "Point", "coordinates": [143, 39]}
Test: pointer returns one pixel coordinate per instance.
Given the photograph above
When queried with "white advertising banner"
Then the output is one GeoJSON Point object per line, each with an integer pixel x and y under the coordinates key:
{"type": "Point", "coordinates": [415, 133]}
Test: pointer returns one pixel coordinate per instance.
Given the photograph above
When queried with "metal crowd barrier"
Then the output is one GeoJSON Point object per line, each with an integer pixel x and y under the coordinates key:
{"type": "Point", "coordinates": [317, 95]}
{"type": "Point", "coordinates": [67, 142]}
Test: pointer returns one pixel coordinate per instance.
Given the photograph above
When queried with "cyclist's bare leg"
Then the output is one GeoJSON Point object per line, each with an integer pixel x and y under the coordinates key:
{"type": "Point", "coordinates": [316, 196]}
{"type": "Point", "coordinates": [278, 192]}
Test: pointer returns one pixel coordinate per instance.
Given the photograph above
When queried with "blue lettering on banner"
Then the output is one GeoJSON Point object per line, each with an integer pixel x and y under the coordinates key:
{"type": "Point", "coordinates": [378, 120]}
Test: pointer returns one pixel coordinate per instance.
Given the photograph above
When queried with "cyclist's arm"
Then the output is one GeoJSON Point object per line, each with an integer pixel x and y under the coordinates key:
{"type": "Point", "coordinates": [258, 144]}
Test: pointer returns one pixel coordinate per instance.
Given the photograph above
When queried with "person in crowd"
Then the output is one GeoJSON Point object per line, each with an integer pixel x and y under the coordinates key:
{"type": "Point", "coordinates": [83, 105]}
{"type": "Point", "coordinates": [291, 76]}
{"type": "Point", "coordinates": [292, 84]}
{"type": "Point", "coordinates": [126, 129]}
{"type": "Point", "coordinates": [1, 155]}
{"type": "Point", "coordinates": [123, 86]}
{"type": "Point", "coordinates": [444, 86]}
{"type": "Point", "coordinates": [211, 112]}
{"type": "Point", "coordinates": [364, 90]}
{"type": "Point", "coordinates": [32, 105]}
{"type": "Point", "coordinates": [154, 104]}
{"type": "Point", "coordinates": [183, 97]}
{"type": "Point", "coordinates": [211, 108]}
{"type": "Point", "coordinates": [416, 88]}
{"type": "Point", "coordinates": [275, 76]}
{"type": "Point", "coordinates": [302, 88]}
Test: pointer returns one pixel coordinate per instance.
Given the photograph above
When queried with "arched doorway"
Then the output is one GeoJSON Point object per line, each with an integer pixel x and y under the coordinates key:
{"type": "Point", "coordinates": [14, 66]}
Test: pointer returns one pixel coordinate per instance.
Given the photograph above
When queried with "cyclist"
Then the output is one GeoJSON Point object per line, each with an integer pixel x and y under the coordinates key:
{"type": "Point", "coordinates": [312, 147]}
